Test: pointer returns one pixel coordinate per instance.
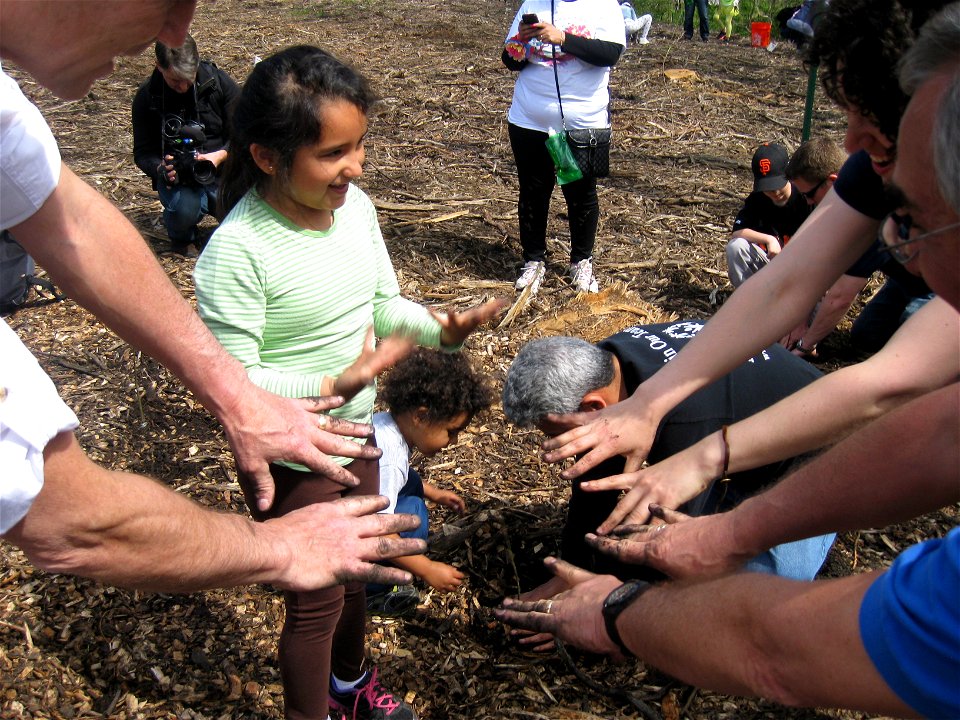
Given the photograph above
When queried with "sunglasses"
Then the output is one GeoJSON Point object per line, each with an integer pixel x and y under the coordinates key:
{"type": "Point", "coordinates": [895, 234]}
{"type": "Point", "coordinates": [813, 191]}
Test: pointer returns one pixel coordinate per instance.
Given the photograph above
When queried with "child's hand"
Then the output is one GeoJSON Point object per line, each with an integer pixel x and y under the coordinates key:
{"type": "Point", "coordinates": [449, 499]}
{"type": "Point", "coordinates": [456, 326]}
{"type": "Point", "coordinates": [373, 360]}
{"type": "Point", "coordinates": [443, 577]}
{"type": "Point", "coordinates": [773, 246]}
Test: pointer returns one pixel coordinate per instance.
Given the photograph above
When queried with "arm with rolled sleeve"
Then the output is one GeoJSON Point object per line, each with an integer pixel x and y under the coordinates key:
{"type": "Point", "coordinates": [31, 414]}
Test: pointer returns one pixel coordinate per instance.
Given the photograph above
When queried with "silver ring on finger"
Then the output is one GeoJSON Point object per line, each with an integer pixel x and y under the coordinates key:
{"type": "Point", "coordinates": [549, 606]}
{"type": "Point", "coordinates": [658, 528]}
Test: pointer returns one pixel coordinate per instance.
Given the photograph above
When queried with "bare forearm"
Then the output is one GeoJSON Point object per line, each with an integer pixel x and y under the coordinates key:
{"type": "Point", "coordinates": [770, 304]}
{"type": "Point", "coordinates": [100, 260]}
{"type": "Point", "coordinates": [130, 531]}
{"type": "Point", "coordinates": [760, 635]}
{"type": "Point", "coordinates": [416, 565]}
{"type": "Point", "coordinates": [836, 405]}
{"type": "Point", "coordinates": [903, 465]}
{"type": "Point", "coordinates": [762, 240]}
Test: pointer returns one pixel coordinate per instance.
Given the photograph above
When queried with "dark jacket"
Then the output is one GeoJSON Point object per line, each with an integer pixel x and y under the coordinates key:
{"type": "Point", "coordinates": [208, 102]}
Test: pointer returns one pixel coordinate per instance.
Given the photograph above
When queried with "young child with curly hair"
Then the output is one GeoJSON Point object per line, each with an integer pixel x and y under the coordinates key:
{"type": "Point", "coordinates": [431, 396]}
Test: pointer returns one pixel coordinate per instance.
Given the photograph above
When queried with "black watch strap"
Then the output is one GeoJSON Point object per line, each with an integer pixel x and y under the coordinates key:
{"type": "Point", "coordinates": [616, 602]}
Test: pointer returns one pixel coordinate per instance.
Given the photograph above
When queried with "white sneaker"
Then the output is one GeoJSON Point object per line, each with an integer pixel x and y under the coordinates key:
{"type": "Point", "coordinates": [643, 41]}
{"type": "Point", "coordinates": [581, 275]}
{"type": "Point", "coordinates": [532, 275]}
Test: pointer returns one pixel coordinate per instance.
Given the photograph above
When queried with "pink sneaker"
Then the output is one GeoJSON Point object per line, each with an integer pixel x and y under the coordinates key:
{"type": "Point", "coordinates": [369, 701]}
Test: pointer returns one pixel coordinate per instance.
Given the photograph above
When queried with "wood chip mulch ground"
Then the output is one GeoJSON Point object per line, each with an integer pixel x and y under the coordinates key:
{"type": "Point", "coordinates": [440, 170]}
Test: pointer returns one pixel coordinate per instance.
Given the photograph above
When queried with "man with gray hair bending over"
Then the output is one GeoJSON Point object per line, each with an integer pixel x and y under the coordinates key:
{"type": "Point", "coordinates": [565, 374]}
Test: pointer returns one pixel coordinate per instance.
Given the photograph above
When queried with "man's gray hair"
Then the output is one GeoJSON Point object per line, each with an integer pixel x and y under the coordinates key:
{"type": "Point", "coordinates": [936, 51]}
{"type": "Point", "coordinates": [551, 375]}
{"type": "Point", "coordinates": [183, 60]}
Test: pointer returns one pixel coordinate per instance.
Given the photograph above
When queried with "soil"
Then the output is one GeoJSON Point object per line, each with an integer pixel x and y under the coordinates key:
{"type": "Point", "coordinates": [441, 173]}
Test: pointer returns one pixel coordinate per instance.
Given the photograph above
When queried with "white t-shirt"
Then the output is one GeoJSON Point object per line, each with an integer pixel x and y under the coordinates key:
{"type": "Point", "coordinates": [583, 86]}
{"type": "Point", "coordinates": [31, 414]}
{"type": "Point", "coordinates": [29, 157]}
{"type": "Point", "coordinates": [395, 461]}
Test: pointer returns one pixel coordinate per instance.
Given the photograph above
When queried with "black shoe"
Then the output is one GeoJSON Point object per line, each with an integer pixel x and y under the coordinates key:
{"type": "Point", "coordinates": [188, 250]}
{"type": "Point", "coordinates": [688, 37]}
{"type": "Point", "coordinates": [398, 601]}
{"type": "Point", "coordinates": [704, 38]}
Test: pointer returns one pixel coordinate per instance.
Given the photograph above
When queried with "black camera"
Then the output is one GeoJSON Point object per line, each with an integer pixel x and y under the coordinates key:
{"type": "Point", "coordinates": [182, 141]}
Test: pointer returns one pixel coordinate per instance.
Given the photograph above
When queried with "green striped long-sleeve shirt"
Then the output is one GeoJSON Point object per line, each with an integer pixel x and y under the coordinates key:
{"type": "Point", "coordinates": [294, 305]}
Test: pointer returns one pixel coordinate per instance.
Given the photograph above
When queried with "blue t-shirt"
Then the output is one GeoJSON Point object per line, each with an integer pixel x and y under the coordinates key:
{"type": "Point", "coordinates": [910, 626]}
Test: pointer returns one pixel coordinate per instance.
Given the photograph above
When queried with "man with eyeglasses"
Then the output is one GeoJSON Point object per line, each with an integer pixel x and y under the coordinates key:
{"type": "Point", "coordinates": [881, 641]}
{"type": "Point", "coordinates": [813, 170]}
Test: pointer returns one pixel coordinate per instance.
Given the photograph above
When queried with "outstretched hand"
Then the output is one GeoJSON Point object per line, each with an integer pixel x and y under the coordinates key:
{"type": "Point", "coordinates": [626, 428]}
{"type": "Point", "coordinates": [575, 616]}
{"type": "Point", "coordinates": [678, 545]}
{"type": "Point", "coordinates": [264, 427]}
{"type": "Point", "coordinates": [456, 326]}
{"type": "Point", "coordinates": [373, 360]}
{"type": "Point", "coordinates": [342, 541]}
{"type": "Point", "coordinates": [669, 483]}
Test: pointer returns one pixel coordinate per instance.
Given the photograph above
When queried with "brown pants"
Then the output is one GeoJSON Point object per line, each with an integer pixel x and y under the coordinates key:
{"type": "Point", "coordinates": [324, 629]}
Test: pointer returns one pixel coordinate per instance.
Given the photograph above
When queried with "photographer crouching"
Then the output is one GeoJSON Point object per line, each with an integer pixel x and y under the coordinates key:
{"type": "Point", "coordinates": [180, 137]}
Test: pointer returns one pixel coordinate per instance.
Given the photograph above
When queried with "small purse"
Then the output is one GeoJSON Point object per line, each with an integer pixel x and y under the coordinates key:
{"type": "Point", "coordinates": [590, 146]}
{"type": "Point", "coordinates": [591, 150]}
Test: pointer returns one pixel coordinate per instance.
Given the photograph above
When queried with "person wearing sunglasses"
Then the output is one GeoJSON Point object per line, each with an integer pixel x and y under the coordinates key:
{"type": "Point", "coordinates": [885, 641]}
{"type": "Point", "coordinates": [813, 169]}
{"type": "Point", "coordinates": [857, 46]}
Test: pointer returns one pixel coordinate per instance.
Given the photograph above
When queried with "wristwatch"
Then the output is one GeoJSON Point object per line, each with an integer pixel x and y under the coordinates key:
{"type": "Point", "coordinates": [617, 601]}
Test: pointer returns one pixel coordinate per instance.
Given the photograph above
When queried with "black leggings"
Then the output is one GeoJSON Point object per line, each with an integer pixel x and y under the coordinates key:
{"type": "Point", "coordinates": [537, 177]}
{"type": "Point", "coordinates": [324, 629]}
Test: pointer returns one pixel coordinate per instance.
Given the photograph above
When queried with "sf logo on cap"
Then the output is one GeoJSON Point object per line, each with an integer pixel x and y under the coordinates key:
{"type": "Point", "coordinates": [765, 165]}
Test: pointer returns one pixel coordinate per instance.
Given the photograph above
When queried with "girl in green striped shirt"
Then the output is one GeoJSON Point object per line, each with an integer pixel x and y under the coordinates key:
{"type": "Point", "coordinates": [295, 283]}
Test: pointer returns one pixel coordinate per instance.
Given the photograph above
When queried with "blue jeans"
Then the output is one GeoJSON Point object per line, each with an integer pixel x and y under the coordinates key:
{"type": "Point", "coordinates": [410, 501]}
{"type": "Point", "coordinates": [701, 7]}
{"type": "Point", "coordinates": [184, 207]}
{"type": "Point", "coordinates": [799, 560]}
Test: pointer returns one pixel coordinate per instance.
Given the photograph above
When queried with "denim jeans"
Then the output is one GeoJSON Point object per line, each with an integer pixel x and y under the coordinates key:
{"type": "Point", "coordinates": [701, 7]}
{"type": "Point", "coordinates": [410, 501]}
{"type": "Point", "coordinates": [799, 560]}
{"type": "Point", "coordinates": [184, 207]}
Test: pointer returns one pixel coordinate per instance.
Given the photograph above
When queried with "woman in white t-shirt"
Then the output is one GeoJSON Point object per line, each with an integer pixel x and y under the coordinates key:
{"type": "Point", "coordinates": [585, 38]}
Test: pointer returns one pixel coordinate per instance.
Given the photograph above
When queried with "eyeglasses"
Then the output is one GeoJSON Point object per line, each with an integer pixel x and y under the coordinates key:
{"type": "Point", "coordinates": [813, 191]}
{"type": "Point", "coordinates": [895, 233]}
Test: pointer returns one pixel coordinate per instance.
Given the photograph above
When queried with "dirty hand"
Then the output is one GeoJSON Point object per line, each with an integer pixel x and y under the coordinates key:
{"type": "Point", "coordinates": [626, 428]}
{"type": "Point", "coordinates": [574, 616]}
{"type": "Point", "coordinates": [342, 541]}
{"type": "Point", "coordinates": [263, 427]}
{"type": "Point", "coordinates": [677, 545]}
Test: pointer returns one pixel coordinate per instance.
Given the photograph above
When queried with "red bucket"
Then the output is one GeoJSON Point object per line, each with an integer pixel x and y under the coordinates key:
{"type": "Point", "coordinates": [760, 34]}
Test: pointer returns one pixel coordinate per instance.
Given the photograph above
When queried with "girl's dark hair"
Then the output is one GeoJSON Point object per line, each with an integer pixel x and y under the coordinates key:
{"type": "Point", "coordinates": [280, 108]}
{"type": "Point", "coordinates": [857, 45]}
{"type": "Point", "coordinates": [444, 383]}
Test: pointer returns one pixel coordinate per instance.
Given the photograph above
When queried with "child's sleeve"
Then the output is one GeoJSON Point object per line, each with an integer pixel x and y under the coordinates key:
{"type": "Point", "coordinates": [391, 312]}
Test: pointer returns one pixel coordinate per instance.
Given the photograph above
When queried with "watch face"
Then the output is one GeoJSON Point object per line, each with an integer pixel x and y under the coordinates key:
{"type": "Point", "coordinates": [625, 593]}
